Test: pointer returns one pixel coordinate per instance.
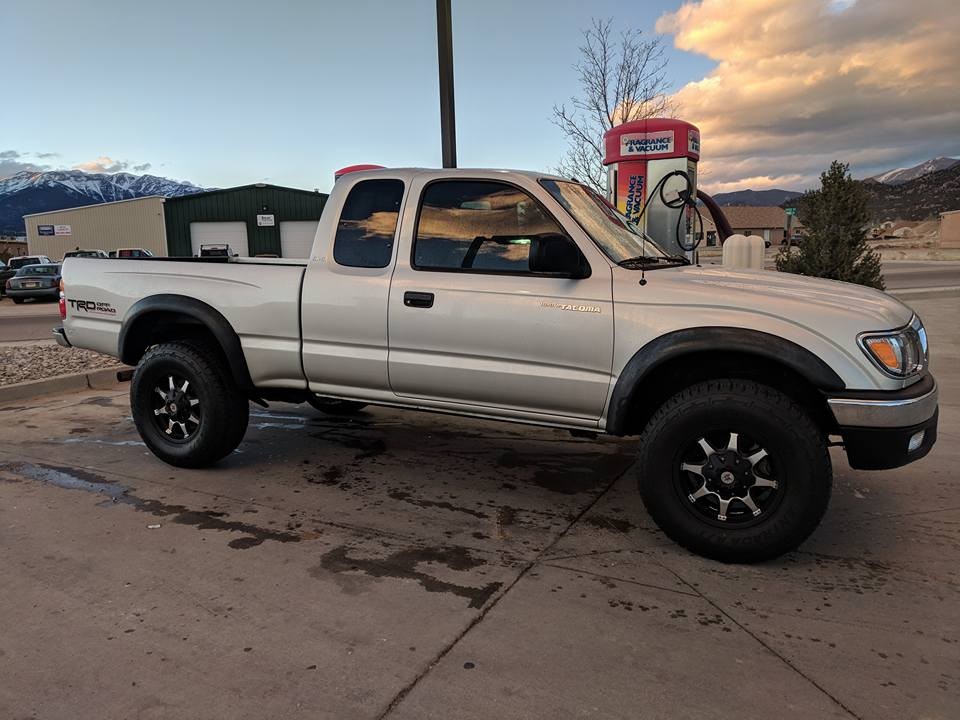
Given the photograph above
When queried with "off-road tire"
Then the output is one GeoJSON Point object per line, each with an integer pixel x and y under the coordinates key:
{"type": "Point", "coordinates": [751, 408]}
{"type": "Point", "coordinates": [335, 406]}
{"type": "Point", "coordinates": [224, 410]}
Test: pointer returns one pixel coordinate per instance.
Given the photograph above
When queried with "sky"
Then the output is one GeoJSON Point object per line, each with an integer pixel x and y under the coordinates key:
{"type": "Point", "coordinates": [223, 93]}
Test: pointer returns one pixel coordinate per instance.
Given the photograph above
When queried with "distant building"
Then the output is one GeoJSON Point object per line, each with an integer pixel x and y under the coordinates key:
{"type": "Point", "coordinates": [950, 229]}
{"type": "Point", "coordinates": [770, 223]}
{"type": "Point", "coordinates": [253, 220]}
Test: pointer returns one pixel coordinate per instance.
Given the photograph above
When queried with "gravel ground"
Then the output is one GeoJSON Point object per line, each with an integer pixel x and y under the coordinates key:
{"type": "Point", "coordinates": [36, 362]}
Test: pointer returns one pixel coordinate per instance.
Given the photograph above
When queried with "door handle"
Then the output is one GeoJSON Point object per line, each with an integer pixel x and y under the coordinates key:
{"type": "Point", "coordinates": [418, 299]}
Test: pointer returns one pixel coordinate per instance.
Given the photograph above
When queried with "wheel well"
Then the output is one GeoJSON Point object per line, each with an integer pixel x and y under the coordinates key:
{"type": "Point", "coordinates": [159, 326]}
{"type": "Point", "coordinates": [677, 373]}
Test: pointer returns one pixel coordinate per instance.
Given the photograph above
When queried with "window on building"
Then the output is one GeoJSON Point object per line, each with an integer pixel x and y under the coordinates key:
{"type": "Point", "coordinates": [368, 223]}
{"type": "Point", "coordinates": [477, 226]}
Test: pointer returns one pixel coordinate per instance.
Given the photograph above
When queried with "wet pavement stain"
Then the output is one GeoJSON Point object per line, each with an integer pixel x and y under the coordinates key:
{"type": "Point", "coordinates": [99, 401]}
{"type": "Point", "coordinates": [568, 474]}
{"type": "Point", "coordinates": [406, 497]}
{"type": "Point", "coordinates": [79, 479]}
{"type": "Point", "coordinates": [609, 523]}
{"type": "Point", "coordinates": [402, 565]}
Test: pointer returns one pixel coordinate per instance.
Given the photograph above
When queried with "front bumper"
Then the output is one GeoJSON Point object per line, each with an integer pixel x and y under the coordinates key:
{"type": "Point", "coordinates": [883, 430]}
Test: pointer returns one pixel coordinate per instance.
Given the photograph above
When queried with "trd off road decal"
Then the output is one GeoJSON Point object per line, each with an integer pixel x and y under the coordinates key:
{"type": "Point", "coordinates": [93, 307]}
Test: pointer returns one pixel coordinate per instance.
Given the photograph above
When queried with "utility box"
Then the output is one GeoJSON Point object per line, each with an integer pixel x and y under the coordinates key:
{"type": "Point", "coordinates": [638, 155]}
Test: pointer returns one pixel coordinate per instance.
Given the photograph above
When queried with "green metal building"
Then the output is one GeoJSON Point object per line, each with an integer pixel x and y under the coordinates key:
{"type": "Point", "coordinates": [253, 219]}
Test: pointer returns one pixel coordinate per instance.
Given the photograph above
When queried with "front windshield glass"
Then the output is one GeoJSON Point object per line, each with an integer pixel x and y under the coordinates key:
{"type": "Point", "coordinates": [615, 235]}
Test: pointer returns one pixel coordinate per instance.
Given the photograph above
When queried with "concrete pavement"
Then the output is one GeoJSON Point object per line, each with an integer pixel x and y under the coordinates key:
{"type": "Point", "coordinates": [409, 565]}
{"type": "Point", "coordinates": [935, 273]}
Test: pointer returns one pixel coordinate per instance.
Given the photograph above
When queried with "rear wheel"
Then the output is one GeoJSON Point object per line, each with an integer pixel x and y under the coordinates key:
{"type": "Point", "coordinates": [335, 406]}
{"type": "Point", "coordinates": [734, 470]}
{"type": "Point", "coordinates": [186, 406]}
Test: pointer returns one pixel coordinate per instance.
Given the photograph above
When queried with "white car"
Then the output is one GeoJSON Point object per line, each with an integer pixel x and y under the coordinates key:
{"type": "Point", "coordinates": [524, 297]}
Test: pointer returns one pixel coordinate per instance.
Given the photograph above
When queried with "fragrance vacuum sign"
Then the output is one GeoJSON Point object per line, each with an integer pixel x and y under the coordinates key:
{"type": "Point", "coordinates": [648, 143]}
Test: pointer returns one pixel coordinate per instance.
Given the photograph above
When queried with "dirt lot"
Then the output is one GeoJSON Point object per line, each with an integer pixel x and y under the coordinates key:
{"type": "Point", "coordinates": [418, 566]}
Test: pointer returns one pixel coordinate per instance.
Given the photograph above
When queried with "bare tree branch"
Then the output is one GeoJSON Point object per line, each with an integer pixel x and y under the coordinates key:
{"type": "Point", "coordinates": [620, 80]}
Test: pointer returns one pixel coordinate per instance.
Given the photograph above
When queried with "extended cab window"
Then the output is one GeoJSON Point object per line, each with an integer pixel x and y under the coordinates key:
{"type": "Point", "coordinates": [471, 225]}
{"type": "Point", "coordinates": [368, 223]}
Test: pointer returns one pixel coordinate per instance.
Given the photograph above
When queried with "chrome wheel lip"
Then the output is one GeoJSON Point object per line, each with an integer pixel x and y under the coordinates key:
{"type": "Point", "coordinates": [177, 411]}
{"type": "Point", "coordinates": [734, 483]}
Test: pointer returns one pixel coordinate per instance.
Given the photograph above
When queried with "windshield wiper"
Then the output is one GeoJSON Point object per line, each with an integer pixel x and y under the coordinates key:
{"type": "Point", "coordinates": [640, 260]}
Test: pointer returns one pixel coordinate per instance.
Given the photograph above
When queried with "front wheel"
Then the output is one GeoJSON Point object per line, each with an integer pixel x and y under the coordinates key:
{"type": "Point", "coordinates": [186, 406]}
{"type": "Point", "coordinates": [734, 470]}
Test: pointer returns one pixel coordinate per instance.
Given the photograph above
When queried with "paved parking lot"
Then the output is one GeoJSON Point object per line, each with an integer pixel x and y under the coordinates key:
{"type": "Point", "coordinates": [411, 565]}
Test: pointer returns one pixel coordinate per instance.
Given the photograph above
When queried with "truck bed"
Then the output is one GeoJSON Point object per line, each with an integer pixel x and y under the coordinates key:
{"type": "Point", "coordinates": [259, 297]}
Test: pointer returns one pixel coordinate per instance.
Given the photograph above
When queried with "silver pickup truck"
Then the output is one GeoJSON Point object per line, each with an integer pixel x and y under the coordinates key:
{"type": "Point", "coordinates": [523, 297]}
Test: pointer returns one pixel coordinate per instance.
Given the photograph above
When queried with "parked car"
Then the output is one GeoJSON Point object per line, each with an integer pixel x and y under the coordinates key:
{"type": "Point", "coordinates": [35, 282]}
{"type": "Point", "coordinates": [15, 263]}
{"type": "Point", "coordinates": [133, 253]}
{"type": "Point", "coordinates": [526, 297]}
{"type": "Point", "coordinates": [85, 253]}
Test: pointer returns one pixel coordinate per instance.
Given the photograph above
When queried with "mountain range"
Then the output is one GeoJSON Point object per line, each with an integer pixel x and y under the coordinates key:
{"type": "Point", "coordinates": [902, 175]}
{"type": "Point", "coordinates": [890, 179]}
{"type": "Point", "coordinates": [922, 198]}
{"type": "Point", "coordinates": [32, 192]}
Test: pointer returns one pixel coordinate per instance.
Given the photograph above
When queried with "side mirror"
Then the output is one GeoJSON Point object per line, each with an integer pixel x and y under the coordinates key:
{"type": "Point", "coordinates": [557, 255]}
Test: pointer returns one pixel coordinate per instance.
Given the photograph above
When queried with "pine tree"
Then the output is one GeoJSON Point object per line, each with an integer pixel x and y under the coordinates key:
{"type": "Point", "coordinates": [835, 246]}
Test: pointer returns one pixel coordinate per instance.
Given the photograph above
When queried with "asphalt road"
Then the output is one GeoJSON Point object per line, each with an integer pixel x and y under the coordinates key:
{"type": "Point", "coordinates": [29, 321]}
{"type": "Point", "coordinates": [899, 275]}
{"type": "Point", "coordinates": [411, 565]}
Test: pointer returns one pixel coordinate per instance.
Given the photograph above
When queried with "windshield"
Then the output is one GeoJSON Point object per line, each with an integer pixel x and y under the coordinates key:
{"type": "Point", "coordinates": [615, 235]}
{"type": "Point", "coordinates": [20, 262]}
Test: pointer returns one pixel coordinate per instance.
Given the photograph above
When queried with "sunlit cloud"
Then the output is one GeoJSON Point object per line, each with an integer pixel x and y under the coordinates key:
{"type": "Point", "coordinates": [799, 83]}
{"type": "Point", "coordinates": [103, 164]}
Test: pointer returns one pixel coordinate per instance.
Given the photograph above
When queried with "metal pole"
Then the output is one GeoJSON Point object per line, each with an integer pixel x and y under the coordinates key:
{"type": "Point", "coordinates": [448, 129]}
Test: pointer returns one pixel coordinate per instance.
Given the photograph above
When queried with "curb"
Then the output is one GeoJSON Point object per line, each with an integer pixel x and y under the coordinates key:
{"type": "Point", "coordinates": [947, 291]}
{"type": "Point", "coordinates": [94, 380]}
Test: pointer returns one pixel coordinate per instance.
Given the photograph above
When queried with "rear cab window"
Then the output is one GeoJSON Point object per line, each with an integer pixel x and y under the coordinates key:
{"type": "Point", "coordinates": [368, 224]}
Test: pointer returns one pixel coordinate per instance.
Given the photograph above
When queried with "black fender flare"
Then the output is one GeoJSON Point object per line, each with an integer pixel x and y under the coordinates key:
{"type": "Point", "coordinates": [198, 311]}
{"type": "Point", "coordinates": [713, 339]}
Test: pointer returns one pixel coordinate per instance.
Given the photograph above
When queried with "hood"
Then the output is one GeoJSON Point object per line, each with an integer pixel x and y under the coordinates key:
{"type": "Point", "coordinates": [793, 296]}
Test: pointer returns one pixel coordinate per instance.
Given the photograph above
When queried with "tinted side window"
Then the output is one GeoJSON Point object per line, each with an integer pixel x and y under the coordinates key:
{"type": "Point", "coordinates": [368, 223]}
{"type": "Point", "coordinates": [479, 226]}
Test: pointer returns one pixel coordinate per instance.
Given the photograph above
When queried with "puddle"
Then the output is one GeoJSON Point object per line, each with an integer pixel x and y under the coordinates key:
{"type": "Point", "coordinates": [403, 565]}
{"type": "Point", "coordinates": [95, 441]}
{"type": "Point", "coordinates": [79, 479]}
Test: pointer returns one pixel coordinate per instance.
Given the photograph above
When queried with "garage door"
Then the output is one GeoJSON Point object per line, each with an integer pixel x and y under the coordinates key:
{"type": "Point", "coordinates": [233, 234]}
{"type": "Point", "coordinates": [296, 238]}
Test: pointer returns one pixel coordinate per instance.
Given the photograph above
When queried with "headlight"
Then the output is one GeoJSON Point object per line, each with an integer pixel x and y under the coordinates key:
{"type": "Point", "coordinates": [900, 353]}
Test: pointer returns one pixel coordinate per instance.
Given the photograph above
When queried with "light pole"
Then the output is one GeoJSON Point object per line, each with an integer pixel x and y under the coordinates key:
{"type": "Point", "coordinates": [448, 125]}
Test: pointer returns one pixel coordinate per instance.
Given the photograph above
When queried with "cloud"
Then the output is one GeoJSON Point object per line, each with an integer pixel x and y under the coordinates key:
{"type": "Point", "coordinates": [12, 162]}
{"type": "Point", "coordinates": [799, 83]}
{"type": "Point", "coordinates": [141, 168]}
{"type": "Point", "coordinates": [103, 164]}
{"type": "Point", "coordinates": [46, 155]}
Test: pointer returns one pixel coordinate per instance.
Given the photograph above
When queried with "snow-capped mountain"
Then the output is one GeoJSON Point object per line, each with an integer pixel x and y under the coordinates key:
{"type": "Point", "coordinates": [30, 192]}
{"type": "Point", "coordinates": [902, 175]}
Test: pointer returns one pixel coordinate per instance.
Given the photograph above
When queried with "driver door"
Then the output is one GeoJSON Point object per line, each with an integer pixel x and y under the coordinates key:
{"type": "Point", "coordinates": [471, 323]}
